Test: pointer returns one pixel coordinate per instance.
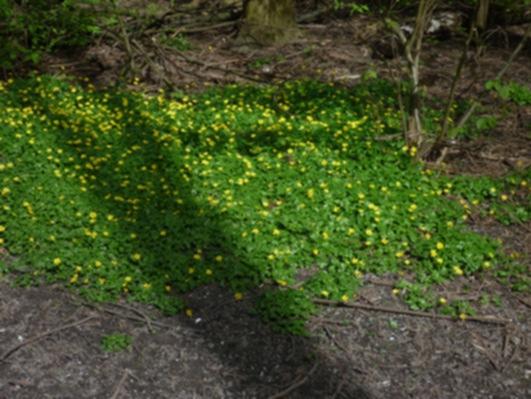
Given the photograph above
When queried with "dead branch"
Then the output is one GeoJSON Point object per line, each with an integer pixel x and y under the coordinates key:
{"type": "Point", "coordinates": [120, 385]}
{"type": "Point", "coordinates": [451, 96]}
{"type": "Point", "coordinates": [479, 344]}
{"type": "Point", "coordinates": [515, 53]}
{"type": "Point", "coordinates": [138, 312]}
{"type": "Point", "coordinates": [343, 349]}
{"type": "Point", "coordinates": [500, 74]}
{"type": "Point", "coordinates": [296, 384]}
{"type": "Point", "coordinates": [125, 316]}
{"type": "Point", "coordinates": [479, 319]}
{"type": "Point", "coordinates": [39, 337]}
{"type": "Point", "coordinates": [206, 65]}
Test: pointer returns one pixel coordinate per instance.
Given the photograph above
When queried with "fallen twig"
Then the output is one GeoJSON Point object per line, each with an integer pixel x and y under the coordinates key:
{"type": "Point", "coordinates": [201, 29]}
{"type": "Point", "coordinates": [523, 301]}
{"type": "Point", "coordinates": [296, 384]}
{"type": "Point", "coordinates": [205, 64]}
{"type": "Point", "coordinates": [38, 337]}
{"type": "Point", "coordinates": [120, 385]}
{"type": "Point", "coordinates": [152, 64]}
{"type": "Point", "coordinates": [124, 316]}
{"type": "Point", "coordinates": [345, 351]}
{"type": "Point", "coordinates": [477, 343]}
{"type": "Point", "coordinates": [146, 318]}
{"type": "Point", "coordinates": [479, 319]}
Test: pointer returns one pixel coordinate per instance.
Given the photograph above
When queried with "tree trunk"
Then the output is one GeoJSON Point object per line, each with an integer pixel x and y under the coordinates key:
{"type": "Point", "coordinates": [268, 22]}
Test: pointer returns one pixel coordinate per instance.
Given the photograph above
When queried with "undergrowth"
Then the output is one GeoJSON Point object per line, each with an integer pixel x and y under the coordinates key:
{"type": "Point", "coordinates": [119, 193]}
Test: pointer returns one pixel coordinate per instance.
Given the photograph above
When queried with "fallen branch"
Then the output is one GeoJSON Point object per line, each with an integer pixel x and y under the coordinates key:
{"type": "Point", "coordinates": [479, 319]}
{"type": "Point", "coordinates": [344, 350]}
{"type": "Point", "coordinates": [514, 54]}
{"type": "Point", "coordinates": [120, 385]}
{"type": "Point", "coordinates": [146, 318]}
{"type": "Point", "coordinates": [523, 301]}
{"type": "Point", "coordinates": [206, 65]}
{"type": "Point", "coordinates": [500, 74]}
{"type": "Point", "coordinates": [125, 316]}
{"type": "Point", "coordinates": [201, 29]}
{"type": "Point", "coordinates": [39, 337]}
{"type": "Point", "coordinates": [296, 384]}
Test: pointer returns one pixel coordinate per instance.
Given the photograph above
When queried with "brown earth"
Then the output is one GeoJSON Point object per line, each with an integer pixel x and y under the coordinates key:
{"type": "Point", "coordinates": [50, 341]}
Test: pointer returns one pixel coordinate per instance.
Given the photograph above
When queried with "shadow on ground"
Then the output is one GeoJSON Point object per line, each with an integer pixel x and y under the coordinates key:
{"type": "Point", "coordinates": [222, 351]}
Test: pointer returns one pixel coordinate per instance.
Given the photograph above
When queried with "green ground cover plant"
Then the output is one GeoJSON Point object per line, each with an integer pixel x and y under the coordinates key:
{"type": "Point", "coordinates": [118, 193]}
{"type": "Point", "coordinates": [30, 29]}
{"type": "Point", "coordinates": [116, 342]}
{"type": "Point", "coordinates": [511, 91]}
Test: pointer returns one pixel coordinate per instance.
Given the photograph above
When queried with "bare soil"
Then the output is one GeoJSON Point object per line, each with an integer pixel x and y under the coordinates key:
{"type": "Point", "coordinates": [50, 340]}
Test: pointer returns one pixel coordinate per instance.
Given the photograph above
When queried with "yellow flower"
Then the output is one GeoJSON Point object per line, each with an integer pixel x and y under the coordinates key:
{"type": "Point", "coordinates": [396, 291]}
{"type": "Point", "coordinates": [325, 235]}
{"type": "Point", "coordinates": [136, 257]}
{"type": "Point", "coordinates": [189, 312]}
{"type": "Point", "coordinates": [276, 232]}
{"type": "Point", "coordinates": [325, 293]}
{"type": "Point", "coordinates": [399, 254]}
{"type": "Point", "coordinates": [462, 316]}
{"type": "Point", "coordinates": [315, 252]}
{"type": "Point", "coordinates": [442, 301]}
{"type": "Point", "coordinates": [310, 193]}
{"type": "Point", "coordinates": [219, 258]}
{"type": "Point", "coordinates": [2, 229]}
{"type": "Point", "coordinates": [439, 246]}
{"type": "Point", "coordinates": [345, 298]}
{"type": "Point", "coordinates": [57, 261]}
{"type": "Point", "coordinates": [238, 296]}
{"type": "Point", "coordinates": [369, 232]}
{"type": "Point", "coordinates": [351, 231]}
{"type": "Point", "coordinates": [457, 270]}
{"type": "Point", "coordinates": [433, 253]}
{"type": "Point", "coordinates": [128, 279]}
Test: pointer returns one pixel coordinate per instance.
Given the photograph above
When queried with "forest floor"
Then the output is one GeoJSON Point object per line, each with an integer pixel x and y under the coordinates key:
{"type": "Point", "coordinates": [50, 340]}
